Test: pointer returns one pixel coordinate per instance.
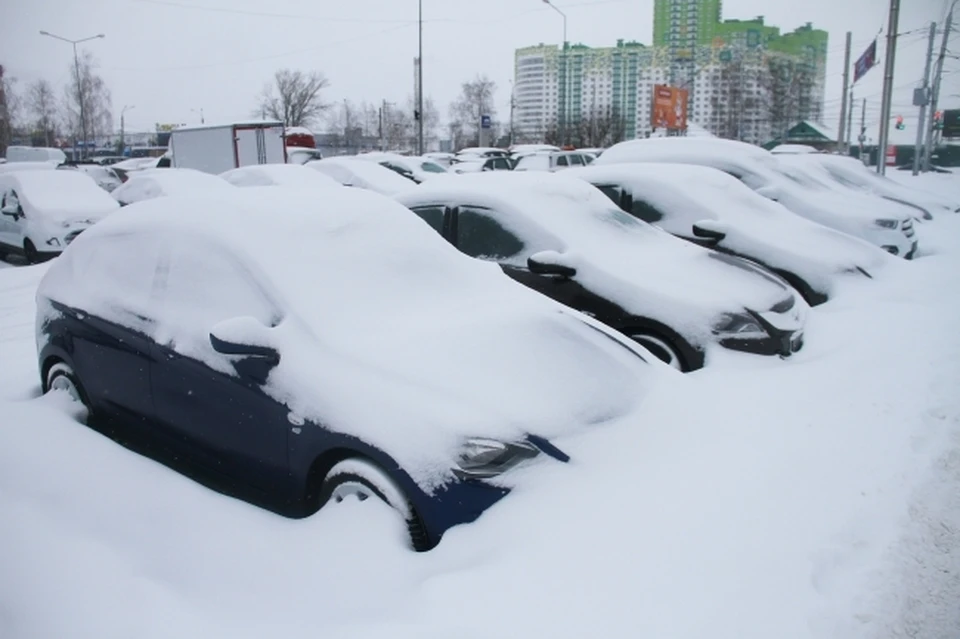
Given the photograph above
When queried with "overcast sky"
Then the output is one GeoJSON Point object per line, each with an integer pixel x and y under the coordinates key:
{"type": "Point", "coordinates": [169, 57]}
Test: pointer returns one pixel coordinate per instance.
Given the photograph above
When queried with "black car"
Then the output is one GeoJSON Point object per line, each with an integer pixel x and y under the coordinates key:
{"type": "Point", "coordinates": [565, 239]}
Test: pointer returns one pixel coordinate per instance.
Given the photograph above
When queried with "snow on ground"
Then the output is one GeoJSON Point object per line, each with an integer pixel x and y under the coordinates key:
{"type": "Point", "coordinates": [812, 498]}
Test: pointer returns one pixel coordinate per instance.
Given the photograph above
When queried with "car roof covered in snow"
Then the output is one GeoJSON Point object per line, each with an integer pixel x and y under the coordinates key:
{"type": "Point", "coordinates": [152, 183]}
{"type": "Point", "coordinates": [59, 194]}
{"type": "Point", "coordinates": [278, 175]}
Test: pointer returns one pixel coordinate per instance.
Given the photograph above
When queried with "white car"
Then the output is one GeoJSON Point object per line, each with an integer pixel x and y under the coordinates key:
{"type": "Point", "coordinates": [105, 177]}
{"type": "Point", "coordinates": [349, 171]}
{"type": "Point", "coordinates": [153, 183]}
{"type": "Point", "coordinates": [880, 222]}
{"type": "Point", "coordinates": [35, 154]}
{"type": "Point", "coordinates": [418, 169]}
{"type": "Point", "coordinates": [562, 237]}
{"type": "Point", "coordinates": [136, 164]}
{"type": "Point", "coordinates": [552, 161]}
{"type": "Point", "coordinates": [278, 175]}
{"type": "Point", "coordinates": [517, 151]}
{"type": "Point", "coordinates": [41, 212]}
{"type": "Point", "coordinates": [723, 214]}
{"type": "Point", "coordinates": [478, 163]}
{"type": "Point", "coordinates": [443, 159]}
{"type": "Point", "coordinates": [851, 173]}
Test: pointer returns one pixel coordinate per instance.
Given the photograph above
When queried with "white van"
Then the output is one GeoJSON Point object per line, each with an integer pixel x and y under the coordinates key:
{"type": "Point", "coordinates": [35, 154]}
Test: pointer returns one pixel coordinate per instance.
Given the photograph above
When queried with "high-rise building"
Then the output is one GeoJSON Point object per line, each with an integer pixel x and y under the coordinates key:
{"type": "Point", "coordinates": [746, 80]}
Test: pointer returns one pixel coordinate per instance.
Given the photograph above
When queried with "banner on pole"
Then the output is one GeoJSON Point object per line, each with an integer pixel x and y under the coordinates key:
{"type": "Point", "coordinates": [865, 62]}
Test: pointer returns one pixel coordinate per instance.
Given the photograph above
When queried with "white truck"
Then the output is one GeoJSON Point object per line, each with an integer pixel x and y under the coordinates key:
{"type": "Point", "coordinates": [215, 148]}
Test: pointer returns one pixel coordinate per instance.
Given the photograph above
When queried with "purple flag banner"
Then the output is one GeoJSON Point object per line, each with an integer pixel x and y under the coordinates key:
{"type": "Point", "coordinates": [865, 62]}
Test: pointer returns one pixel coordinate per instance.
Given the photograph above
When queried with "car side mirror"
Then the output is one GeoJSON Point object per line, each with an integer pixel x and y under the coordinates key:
{"type": "Point", "coordinates": [248, 341]}
{"type": "Point", "coordinates": [551, 263]}
{"type": "Point", "coordinates": [707, 231]}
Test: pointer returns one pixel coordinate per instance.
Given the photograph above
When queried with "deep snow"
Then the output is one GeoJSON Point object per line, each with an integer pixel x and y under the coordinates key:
{"type": "Point", "coordinates": [815, 497]}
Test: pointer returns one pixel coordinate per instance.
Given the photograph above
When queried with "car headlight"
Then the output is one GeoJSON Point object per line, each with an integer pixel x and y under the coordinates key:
{"type": "Point", "coordinates": [887, 224]}
{"type": "Point", "coordinates": [739, 325]}
{"type": "Point", "coordinates": [53, 241]}
{"type": "Point", "coordinates": [484, 458]}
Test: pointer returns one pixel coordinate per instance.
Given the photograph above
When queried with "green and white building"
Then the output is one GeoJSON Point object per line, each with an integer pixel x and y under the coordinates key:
{"type": "Point", "coordinates": [746, 80]}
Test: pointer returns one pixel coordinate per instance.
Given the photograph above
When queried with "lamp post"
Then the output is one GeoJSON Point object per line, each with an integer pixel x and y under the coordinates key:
{"type": "Point", "coordinates": [563, 65]}
{"type": "Point", "coordinates": [123, 143]}
{"type": "Point", "coordinates": [200, 111]}
{"type": "Point", "coordinates": [420, 149]}
{"type": "Point", "coordinates": [76, 67]}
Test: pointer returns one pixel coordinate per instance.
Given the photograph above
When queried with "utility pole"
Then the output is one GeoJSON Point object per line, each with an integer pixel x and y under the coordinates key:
{"type": "Point", "coordinates": [123, 111]}
{"type": "Point", "coordinates": [935, 98]}
{"type": "Point", "coordinates": [380, 122]}
{"type": "Point", "coordinates": [563, 68]}
{"type": "Point", "coordinates": [844, 116]}
{"type": "Point", "coordinates": [888, 86]}
{"type": "Point", "coordinates": [420, 149]}
{"type": "Point", "coordinates": [863, 128]}
{"type": "Point", "coordinates": [924, 100]}
{"type": "Point", "coordinates": [849, 122]}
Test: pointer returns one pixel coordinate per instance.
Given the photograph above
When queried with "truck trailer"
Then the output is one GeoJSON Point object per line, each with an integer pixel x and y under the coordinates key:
{"type": "Point", "coordinates": [217, 148]}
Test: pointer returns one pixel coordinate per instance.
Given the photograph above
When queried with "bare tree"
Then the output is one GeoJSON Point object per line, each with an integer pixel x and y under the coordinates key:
{"type": "Point", "coordinates": [9, 110]}
{"type": "Point", "coordinates": [42, 106]}
{"type": "Point", "coordinates": [294, 97]}
{"type": "Point", "coordinates": [87, 86]}
{"type": "Point", "coordinates": [596, 127]}
{"type": "Point", "coordinates": [476, 100]}
{"type": "Point", "coordinates": [788, 93]}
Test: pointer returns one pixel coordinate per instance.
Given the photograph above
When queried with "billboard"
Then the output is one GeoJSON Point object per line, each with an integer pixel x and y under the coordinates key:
{"type": "Point", "coordinates": [669, 108]}
{"type": "Point", "coordinates": [865, 62]}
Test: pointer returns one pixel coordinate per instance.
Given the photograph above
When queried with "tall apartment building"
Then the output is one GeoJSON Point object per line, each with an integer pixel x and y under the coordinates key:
{"type": "Point", "coordinates": [746, 80]}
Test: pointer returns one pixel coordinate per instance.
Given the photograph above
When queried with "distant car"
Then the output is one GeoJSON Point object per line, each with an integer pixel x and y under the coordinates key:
{"type": "Point", "coordinates": [479, 164]}
{"type": "Point", "coordinates": [350, 171]}
{"type": "Point", "coordinates": [41, 212]}
{"type": "Point", "coordinates": [517, 151]}
{"type": "Point", "coordinates": [414, 168]}
{"type": "Point", "coordinates": [135, 164]}
{"type": "Point", "coordinates": [723, 214]}
{"type": "Point", "coordinates": [11, 167]}
{"type": "Point", "coordinates": [278, 175]}
{"type": "Point", "coordinates": [482, 152]}
{"type": "Point", "coordinates": [552, 161]}
{"type": "Point", "coordinates": [882, 223]}
{"type": "Point", "coordinates": [562, 237]}
{"type": "Point", "coordinates": [853, 174]}
{"type": "Point", "coordinates": [35, 154]}
{"type": "Point", "coordinates": [443, 159]}
{"type": "Point", "coordinates": [348, 353]}
{"type": "Point", "coordinates": [105, 177]}
{"type": "Point", "coordinates": [108, 160]}
{"type": "Point", "coordinates": [302, 155]}
{"type": "Point", "coordinates": [153, 183]}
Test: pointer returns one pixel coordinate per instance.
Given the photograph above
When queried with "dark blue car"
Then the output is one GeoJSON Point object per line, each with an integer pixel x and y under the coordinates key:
{"type": "Point", "coordinates": [300, 347]}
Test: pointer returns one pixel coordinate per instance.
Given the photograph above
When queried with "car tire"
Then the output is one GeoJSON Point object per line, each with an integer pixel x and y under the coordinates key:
{"type": "Point", "coordinates": [30, 252]}
{"type": "Point", "coordinates": [661, 348]}
{"type": "Point", "coordinates": [360, 478]}
{"type": "Point", "coordinates": [61, 377]}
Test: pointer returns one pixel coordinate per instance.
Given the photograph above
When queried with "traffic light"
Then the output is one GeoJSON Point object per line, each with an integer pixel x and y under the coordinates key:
{"type": "Point", "coordinates": [900, 124]}
{"type": "Point", "coordinates": [938, 120]}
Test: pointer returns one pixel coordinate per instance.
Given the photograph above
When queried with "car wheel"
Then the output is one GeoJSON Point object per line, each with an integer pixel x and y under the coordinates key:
{"type": "Point", "coordinates": [61, 377]}
{"type": "Point", "coordinates": [361, 479]}
{"type": "Point", "coordinates": [660, 348]}
{"type": "Point", "coordinates": [30, 252]}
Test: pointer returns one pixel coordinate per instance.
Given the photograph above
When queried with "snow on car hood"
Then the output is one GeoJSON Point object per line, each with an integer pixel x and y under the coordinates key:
{"type": "Point", "coordinates": [278, 175]}
{"type": "Point", "coordinates": [643, 269]}
{"type": "Point", "coordinates": [388, 332]}
{"type": "Point", "coordinates": [754, 226]}
{"type": "Point", "coordinates": [153, 183]}
{"type": "Point", "coordinates": [64, 197]}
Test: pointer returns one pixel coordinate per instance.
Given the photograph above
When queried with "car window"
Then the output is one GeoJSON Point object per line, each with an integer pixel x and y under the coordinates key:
{"type": "Point", "coordinates": [576, 160]}
{"type": "Point", "coordinates": [480, 235]}
{"type": "Point", "coordinates": [200, 287]}
{"type": "Point", "coordinates": [562, 161]}
{"type": "Point", "coordinates": [501, 164]}
{"type": "Point", "coordinates": [615, 193]}
{"type": "Point", "coordinates": [431, 167]}
{"type": "Point", "coordinates": [645, 211]}
{"type": "Point", "coordinates": [119, 272]}
{"type": "Point", "coordinates": [432, 215]}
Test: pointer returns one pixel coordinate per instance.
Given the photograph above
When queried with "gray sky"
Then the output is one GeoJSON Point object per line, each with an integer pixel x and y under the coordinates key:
{"type": "Point", "coordinates": [170, 56]}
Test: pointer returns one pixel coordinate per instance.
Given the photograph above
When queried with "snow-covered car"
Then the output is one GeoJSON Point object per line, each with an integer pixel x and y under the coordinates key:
{"type": "Point", "coordinates": [552, 161]}
{"type": "Point", "coordinates": [153, 183]}
{"type": "Point", "coordinates": [477, 164]}
{"type": "Point", "coordinates": [417, 169]}
{"type": "Point", "coordinates": [263, 357]}
{"type": "Point", "coordinates": [481, 152]}
{"type": "Point", "coordinates": [441, 158]}
{"type": "Point", "coordinates": [11, 167]}
{"type": "Point", "coordinates": [302, 155]}
{"type": "Point", "coordinates": [105, 177]}
{"type": "Point", "coordinates": [793, 149]}
{"type": "Point", "coordinates": [136, 164]}
{"type": "Point", "coordinates": [35, 154]}
{"type": "Point", "coordinates": [564, 238]}
{"type": "Point", "coordinates": [853, 174]}
{"type": "Point", "coordinates": [41, 212]}
{"type": "Point", "coordinates": [723, 214]}
{"type": "Point", "coordinates": [517, 151]}
{"type": "Point", "coordinates": [880, 222]}
{"type": "Point", "coordinates": [278, 175]}
{"type": "Point", "coordinates": [349, 171]}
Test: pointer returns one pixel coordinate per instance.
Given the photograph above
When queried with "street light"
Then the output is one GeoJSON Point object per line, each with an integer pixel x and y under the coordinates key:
{"type": "Point", "coordinates": [76, 67]}
{"type": "Point", "coordinates": [420, 148]}
{"type": "Point", "coordinates": [563, 58]}
{"type": "Point", "coordinates": [123, 144]}
{"type": "Point", "coordinates": [200, 111]}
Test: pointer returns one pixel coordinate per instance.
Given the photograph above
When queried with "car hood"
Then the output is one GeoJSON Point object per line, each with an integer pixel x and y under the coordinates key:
{"type": "Point", "coordinates": [653, 274]}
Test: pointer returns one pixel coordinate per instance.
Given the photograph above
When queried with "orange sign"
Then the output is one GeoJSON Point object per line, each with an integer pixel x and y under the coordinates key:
{"type": "Point", "coordinates": [669, 107]}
